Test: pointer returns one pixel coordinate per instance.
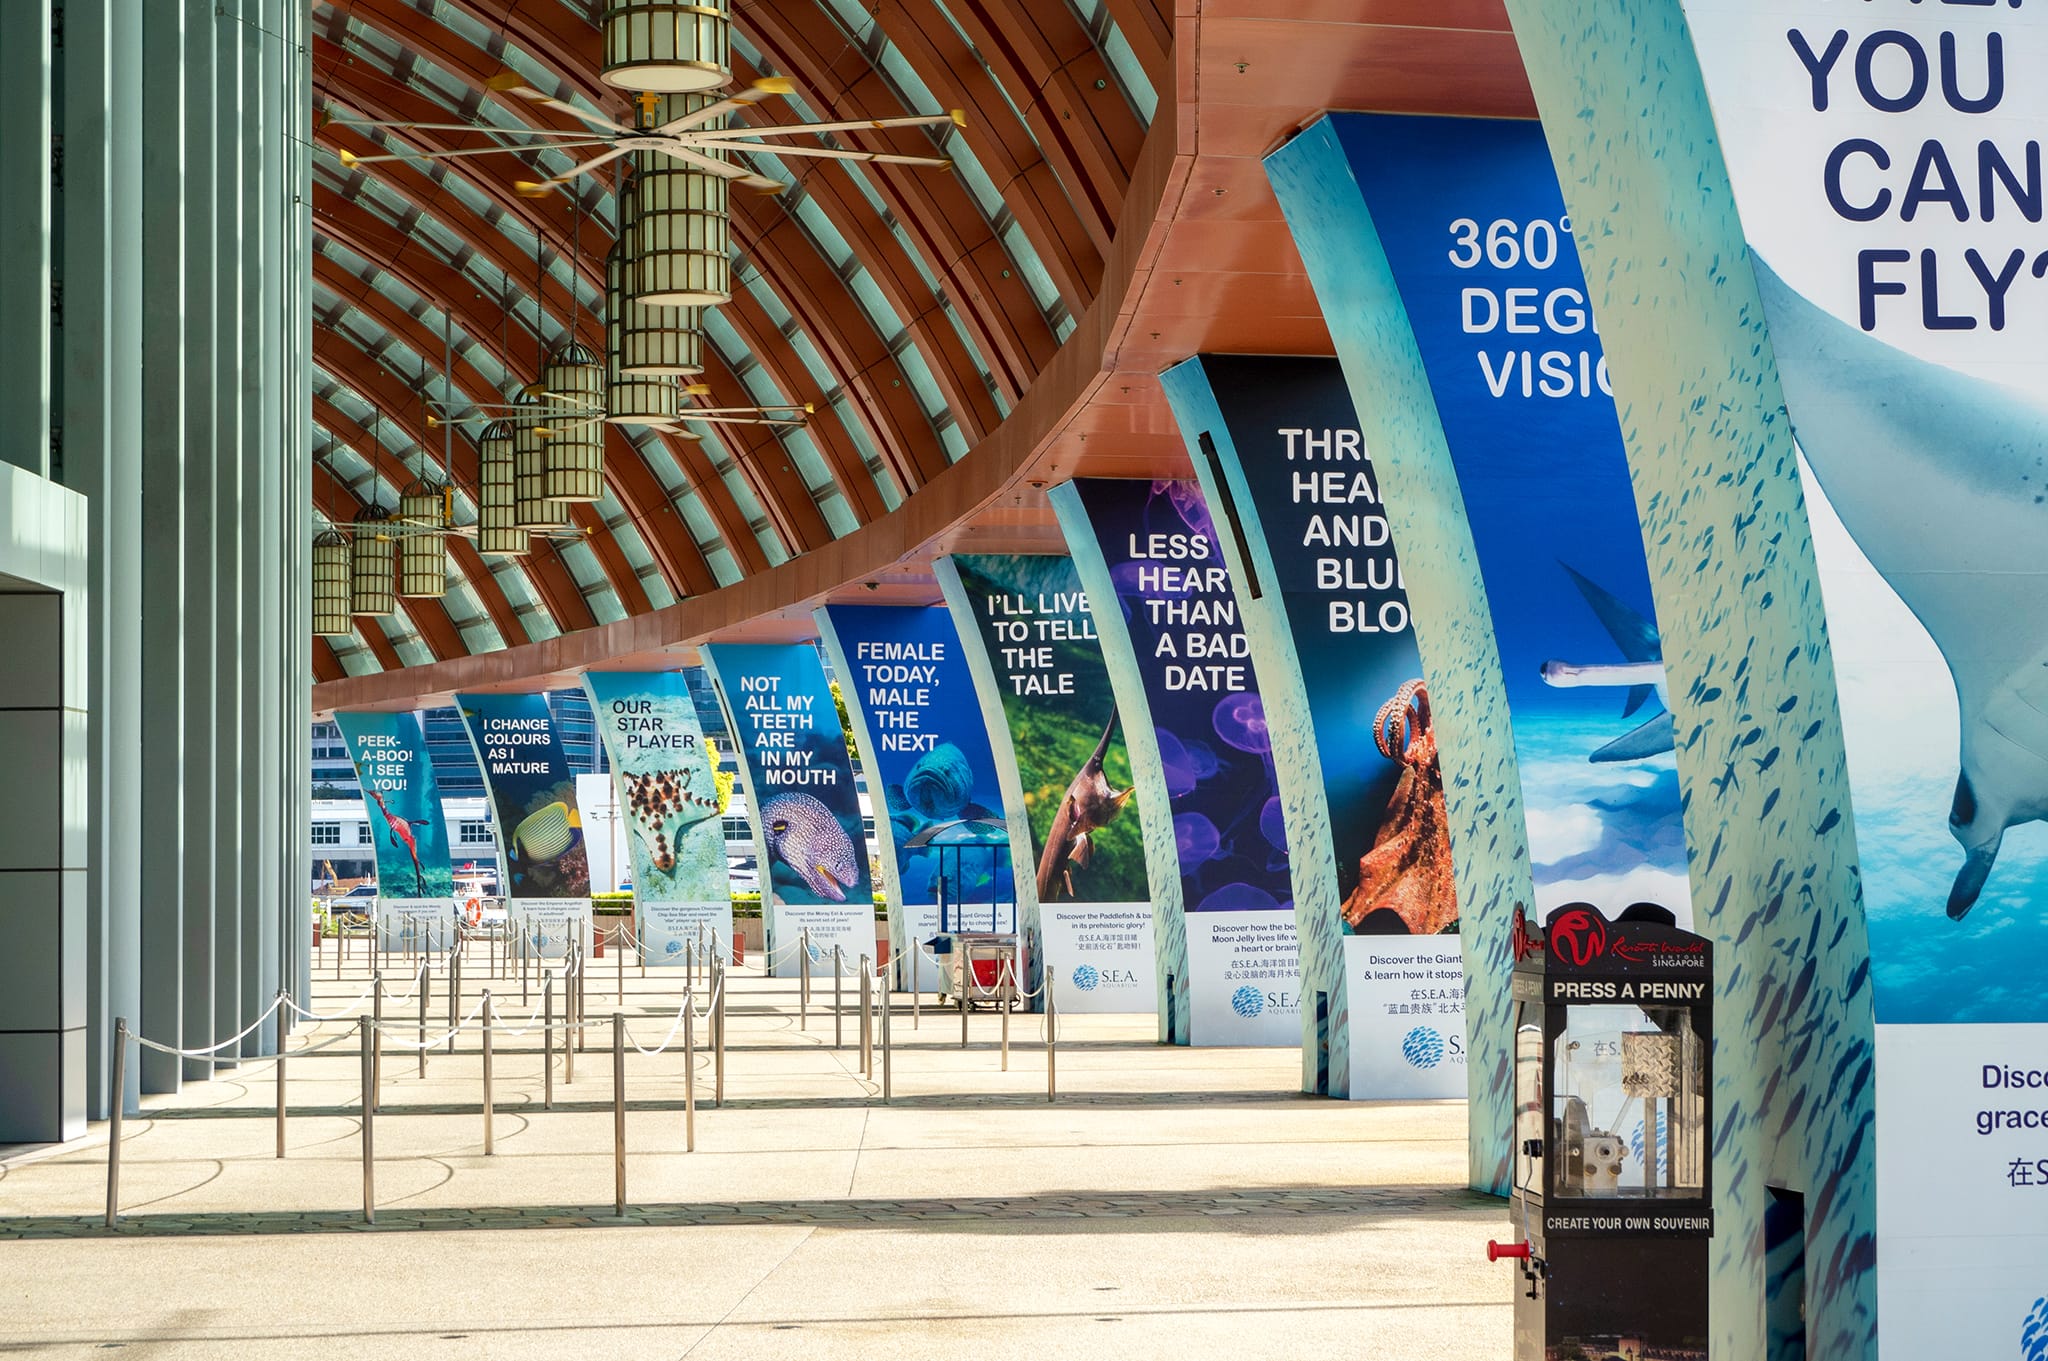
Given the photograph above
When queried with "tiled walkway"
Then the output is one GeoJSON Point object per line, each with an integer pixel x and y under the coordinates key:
{"type": "Point", "coordinates": [1172, 1204]}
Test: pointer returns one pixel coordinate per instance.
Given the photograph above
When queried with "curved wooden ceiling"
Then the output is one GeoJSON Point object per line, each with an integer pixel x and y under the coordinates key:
{"type": "Point", "coordinates": [966, 337]}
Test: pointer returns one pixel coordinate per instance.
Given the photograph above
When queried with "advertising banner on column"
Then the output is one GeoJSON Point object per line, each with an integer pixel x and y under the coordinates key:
{"type": "Point", "coordinates": [1319, 589]}
{"type": "Point", "coordinates": [919, 728]}
{"type": "Point", "coordinates": [415, 876]}
{"type": "Point", "coordinates": [1886, 161]}
{"type": "Point", "coordinates": [533, 799]}
{"type": "Point", "coordinates": [668, 807]}
{"type": "Point", "coordinates": [1052, 718]}
{"type": "Point", "coordinates": [799, 782]}
{"type": "Point", "coordinates": [1222, 891]}
{"type": "Point", "coordinates": [1487, 270]}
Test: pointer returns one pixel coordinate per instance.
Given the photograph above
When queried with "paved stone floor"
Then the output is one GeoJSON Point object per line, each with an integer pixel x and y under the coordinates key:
{"type": "Point", "coordinates": [1172, 1203]}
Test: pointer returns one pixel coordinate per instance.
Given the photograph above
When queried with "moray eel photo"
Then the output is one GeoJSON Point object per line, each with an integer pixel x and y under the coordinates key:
{"type": "Point", "coordinates": [804, 835]}
{"type": "Point", "coordinates": [1091, 803]}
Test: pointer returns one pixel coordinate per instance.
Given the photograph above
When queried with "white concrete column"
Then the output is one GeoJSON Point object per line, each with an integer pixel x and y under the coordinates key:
{"type": "Point", "coordinates": [25, 233]}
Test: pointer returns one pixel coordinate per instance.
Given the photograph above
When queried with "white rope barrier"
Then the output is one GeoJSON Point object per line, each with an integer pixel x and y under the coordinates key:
{"type": "Point", "coordinates": [247, 1031]}
{"type": "Point", "coordinates": [673, 1028]}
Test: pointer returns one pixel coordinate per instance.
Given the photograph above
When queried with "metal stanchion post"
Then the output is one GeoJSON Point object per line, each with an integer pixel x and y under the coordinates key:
{"type": "Point", "coordinates": [547, 1047]}
{"type": "Point", "coordinates": [1052, 1042]}
{"type": "Point", "coordinates": [369, 1135]}
{"type": "Point", "coordinates": [1003, 991]}
{"type": "Point", "coordinates": [619, 1112]}
{"type": "Point", "coordinates": [718, 1036]}
{"type": "Point", "coordinates": [689, 1073]}
{"type": "Point", "coordinates": [570, 1022]}
{"type": "Point", "coordinates": [117, 1101]}
{"type": "Point", "coordinates": [525, 954]}
{"type": "Point", "coordinates": [377, 1037]}
{"type": "Point", "coordinates": [425, 979]}
{"type": "Point", "coordinates": [489, 1017]}
{"type": "Point", "coordinates": [619, 953]}
{"type": "Point", "coordinates": [966, 976]}
{"type": "Point", "coordinates": [803, 980]}
{"type": "Point", "coordinates": [280, 1081]}
{"type": "Point", "coordinates": [340, 944]}
{"type": "Point", "coordinates": [916, 986]}
{"type": "Point", "coordinates": [454, 997]}
{"type": "Point", "coordinates": [838, 1004]}
{"type": "Point", "coordinates": [867, 1020]}
{"type": "Point", "coordinates": [888, 1055]}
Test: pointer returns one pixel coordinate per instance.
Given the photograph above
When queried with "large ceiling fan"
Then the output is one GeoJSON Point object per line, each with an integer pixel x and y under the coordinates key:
{"type": "Point", "coordinates": [690, 139]}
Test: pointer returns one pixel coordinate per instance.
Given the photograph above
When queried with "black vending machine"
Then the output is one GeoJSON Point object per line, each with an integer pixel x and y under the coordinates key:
{"type": "Point", "coordinates": [1612, 1200]}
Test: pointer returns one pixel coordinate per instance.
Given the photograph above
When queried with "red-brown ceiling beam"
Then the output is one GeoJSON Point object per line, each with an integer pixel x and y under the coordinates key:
{"type": "Point", "coordinates": [326, 666]}
{"type": "Point", "coordinates": [1085, 128]}
{"type": "Point", "coordinates": [1147, 25]}
{"type": "Point", "coordinates": [475, 571]}
{"type": "Point", "coordinates": [936, 211]}
{"type": "Point", "coordinates": [403, 326]}
{"type": "Point", "coordinates": [668, 539]}
{"type": "Point", "coordinates": [340, 354]}
{"type": "Point", "coordinates": [383, 99]}
{"type": "Point", "coordinates": [429, 615]}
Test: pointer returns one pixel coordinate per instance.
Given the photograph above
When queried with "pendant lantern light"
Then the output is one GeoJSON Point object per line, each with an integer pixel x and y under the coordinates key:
{"type": "Point", "coordinates": [495, 530]}
{"type": "Point", "coordinates": [574, 447]}
{"type": "Point", "coordinates": [425, 513]}
{"type": "Point", "coordinates": [372, 563]}
{"type": "Point", "coordinates": [330, 585]}
{"type": "Point", "coordinates": [682, 229]}
{"type": "Point", "coordinates": [531, 508]}
{"type": "Point", "coordinates": [664, 46]}
{"type": "Point", "coordinates": [651, 401]}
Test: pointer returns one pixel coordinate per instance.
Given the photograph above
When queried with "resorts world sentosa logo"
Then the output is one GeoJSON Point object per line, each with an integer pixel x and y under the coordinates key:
{"type": "Point", "coordinates": [1422, 1047]}
{"type": "Point", "coordinates": [1086, 978]}
{"type": "Point", "coordinates": [1248, 1001]}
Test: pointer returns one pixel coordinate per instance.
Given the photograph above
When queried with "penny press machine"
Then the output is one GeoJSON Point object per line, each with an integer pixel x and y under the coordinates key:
{"type": "Point", "coordinates": [1613, 1136]}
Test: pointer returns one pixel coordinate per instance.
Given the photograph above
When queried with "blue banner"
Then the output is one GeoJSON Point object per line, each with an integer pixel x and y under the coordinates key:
{"type": "Point", "coordinates": [1215, 833]}
{"type": "Point", "coordinates": [1321, 595]}
{"type": "Point", "coordinates": [800, 789]}
{"type": "Point", "coordinates": [668, 804]}
{"type": "Point", "coordinates": [539, 826]}
{"type": "Point", "coordinates": [402, 803]}
{"type": "Point", "coordinates": [922, 741]}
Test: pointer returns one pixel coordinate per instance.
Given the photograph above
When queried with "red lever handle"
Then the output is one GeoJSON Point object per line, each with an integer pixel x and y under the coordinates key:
{"type": "Point", "coordinates": [1496, 1251]}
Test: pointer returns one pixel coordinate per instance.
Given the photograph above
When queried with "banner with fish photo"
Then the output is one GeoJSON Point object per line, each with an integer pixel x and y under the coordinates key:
{"type": "Point", "coordinates": [918, 725]}
{"type": "Point", "coordinates": [415, 902]}
{"type": "Point", "coordinates": [1067, 787]}
{"type": "Point", "coordinates": [1298, 515]}
{"type": "Point", "coordinates": [798, 777]}
{"type": "Point", "coordinates": [538, 825]}
{"type": "Point", "coordinates": [666, 788]}
{"type": "Point", "coordinates": [1887, 168]}
{"type": "Point", "coordinates": [1215, 836]}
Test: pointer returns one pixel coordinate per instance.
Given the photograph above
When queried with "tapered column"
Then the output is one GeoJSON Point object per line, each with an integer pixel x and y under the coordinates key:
{"type": "Point", "coordinates": [159, 795]}
{"type": "Point", "coordinates": [201, 812]}
{"type": "Point", "coordinates": [232, 452]}
{"type": "Point", "coordinates": [99, 406]}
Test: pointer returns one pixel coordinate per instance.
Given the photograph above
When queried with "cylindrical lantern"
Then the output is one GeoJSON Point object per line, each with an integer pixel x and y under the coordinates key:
{"type": "Point", "coordinates": [422, 556]}
{"type": "Point", "coordinates": [330, 585]}
{"type": "Point", "coordinates": [575, 382]}
{"type": "Point", "coordinates": [664, 46]}
{"type": "Point", "coordinates": [630, 401]}
{"type": "Point", "coordinates": [681, 238]}
{"type": "Point", "coordinates": [372, 563]}
{"type": "Point", "coordinates": [531, 508]}
{"type": "Point", "coordinates": [661, 340]}
{"type": "Point", "coordinates": [495, 530]}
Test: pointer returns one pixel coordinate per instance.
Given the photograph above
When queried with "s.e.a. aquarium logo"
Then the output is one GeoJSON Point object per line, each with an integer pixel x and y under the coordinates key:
{"type": "Point", "coordinates": [1248, 1001]}
{"type": "Point", "coordinates": [673, 947]}
{"type": "Point", "coordinates": [2034, 1332]}
{"type": "Point", "coordinates": [1087, 978]}
{"type": "Point", "coordinates": [1425, 1047]}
